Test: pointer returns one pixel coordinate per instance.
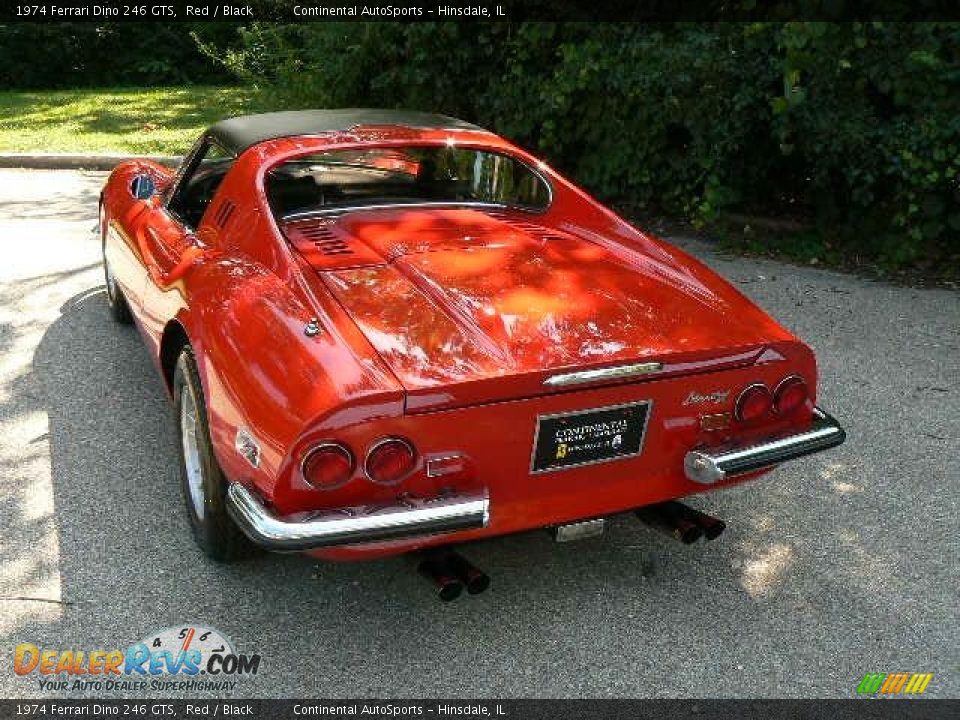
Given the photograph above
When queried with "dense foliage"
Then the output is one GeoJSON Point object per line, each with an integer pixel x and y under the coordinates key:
{"type": "Point", "coordinates": [37, 56]}
{"type": "Point", "coordinates": [850, 129]}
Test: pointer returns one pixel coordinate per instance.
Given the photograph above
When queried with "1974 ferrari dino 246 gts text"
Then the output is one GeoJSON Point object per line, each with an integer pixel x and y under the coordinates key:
{"type": "Point", "coordinates": [387, 331]}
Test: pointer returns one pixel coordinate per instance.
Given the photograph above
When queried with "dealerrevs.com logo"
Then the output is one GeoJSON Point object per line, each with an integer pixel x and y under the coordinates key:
{"type": "Point", "coordinates": [187, 657]}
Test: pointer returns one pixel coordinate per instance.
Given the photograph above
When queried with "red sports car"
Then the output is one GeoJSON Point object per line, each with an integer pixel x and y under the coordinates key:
{"type": "Point", "coordinates": [387, 331]}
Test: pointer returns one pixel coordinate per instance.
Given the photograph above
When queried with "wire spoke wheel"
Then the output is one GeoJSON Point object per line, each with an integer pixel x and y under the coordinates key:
{"type": "Point", "coordinates": [111, 283]}
{"type": "Point", "coordinates": [191, 451]}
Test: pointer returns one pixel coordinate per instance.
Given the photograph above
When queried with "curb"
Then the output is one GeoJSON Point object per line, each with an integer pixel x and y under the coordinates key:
{"type": "Point", "coordinates": [77, 161]}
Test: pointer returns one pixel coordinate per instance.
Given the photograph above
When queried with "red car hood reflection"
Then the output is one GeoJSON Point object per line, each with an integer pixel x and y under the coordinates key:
{"type": "Point", "coordinates": [451, 298]}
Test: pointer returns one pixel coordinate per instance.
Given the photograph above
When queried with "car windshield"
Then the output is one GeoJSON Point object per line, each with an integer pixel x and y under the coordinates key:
{"type": "Point", "coordinates": [343, 179]}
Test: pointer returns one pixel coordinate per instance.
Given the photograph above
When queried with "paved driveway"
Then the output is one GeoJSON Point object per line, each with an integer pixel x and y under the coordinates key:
{"type": "Point", "coordinates": [834, 566]}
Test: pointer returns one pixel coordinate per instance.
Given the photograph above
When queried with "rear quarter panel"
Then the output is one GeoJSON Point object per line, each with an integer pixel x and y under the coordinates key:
{"type": "Point", "coordinates": [244, 308]}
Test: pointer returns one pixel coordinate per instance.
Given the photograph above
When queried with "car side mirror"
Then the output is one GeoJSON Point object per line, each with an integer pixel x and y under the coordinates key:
{"type": "Point", "coordinates": [143, 187]}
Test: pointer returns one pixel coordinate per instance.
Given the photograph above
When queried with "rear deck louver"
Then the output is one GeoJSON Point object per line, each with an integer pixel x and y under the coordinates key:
{"type": "Point", "coordinates": [223, 214]}
{"type": "Point", "coordinates": [538, 232]}
{"type": "Point", "coordinates": [325, 241]}
{"type": "Point", "coordinates": [327, 247]}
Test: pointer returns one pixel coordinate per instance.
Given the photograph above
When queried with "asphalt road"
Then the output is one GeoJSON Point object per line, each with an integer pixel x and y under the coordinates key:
{"type": "Point", "coordinates": [834, 566]}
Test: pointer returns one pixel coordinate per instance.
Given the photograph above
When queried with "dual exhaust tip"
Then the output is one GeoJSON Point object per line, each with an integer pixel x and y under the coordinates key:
{"type": "Point", "coordinates": [681, 522]}
{"type": "Point", "coordinates": [452, 574]}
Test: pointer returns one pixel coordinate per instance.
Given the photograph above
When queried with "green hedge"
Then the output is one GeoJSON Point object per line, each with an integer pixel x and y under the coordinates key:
{"type": "Point", "coordinates": [853, 129]}
{"type": "Point", "coordinates": [65, 55]}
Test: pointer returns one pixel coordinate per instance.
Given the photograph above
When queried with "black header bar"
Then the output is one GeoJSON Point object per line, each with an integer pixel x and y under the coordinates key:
{"type": "Point", "coordinates": [865, 709]}
{"type": "Point", "coordinates": [296, 11]}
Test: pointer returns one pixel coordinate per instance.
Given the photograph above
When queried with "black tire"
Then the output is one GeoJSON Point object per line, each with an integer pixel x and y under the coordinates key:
{"type": "Point", "coordinates": [116, 302]}
{"type": "Point", "coordinates": [213, 529]}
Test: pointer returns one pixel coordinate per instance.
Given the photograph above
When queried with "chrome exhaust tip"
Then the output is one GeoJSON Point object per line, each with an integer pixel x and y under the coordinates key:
{"type": "Point", "coordinates": [473, 578]}
{"type": "Point", "coordinates": [438, 570]}
{"type": "Point", "coordinates": [712, 527]}
{"type": "Point", "coordinates": [669, 521]}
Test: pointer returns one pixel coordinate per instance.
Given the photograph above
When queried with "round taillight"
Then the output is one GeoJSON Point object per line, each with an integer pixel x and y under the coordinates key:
{"type": "Point", "coordinates": [790, 395]}
{"type": "Point", "coordinates": [389, 461]}
{"type": "Point", "coordinates": [754, 402]}
{"type": "Point", "coordinates": [327, 466]}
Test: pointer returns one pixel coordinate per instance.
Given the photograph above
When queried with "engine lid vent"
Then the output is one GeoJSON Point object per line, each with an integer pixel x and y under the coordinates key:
{"type": "Point", "coordinates": [325, 240]}
{"type": "Point", "coordinates": [333, 247]}
{"type": "Point", "coordinates": [538, 232]}
{"type": "Point", "coordinates": [326, 249]}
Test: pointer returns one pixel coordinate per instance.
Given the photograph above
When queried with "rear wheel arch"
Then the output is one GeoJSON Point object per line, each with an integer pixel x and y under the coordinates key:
{"type": "Point", "coordinates": [172, 343]}
{"type": "Point", "coordinates": [202, 480]}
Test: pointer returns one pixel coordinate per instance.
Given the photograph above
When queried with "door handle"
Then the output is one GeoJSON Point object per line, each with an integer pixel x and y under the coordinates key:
{"type": "Point", "coordinates": [169, 270]}
{"type": "Point", "coordinates": [187, 259]}
{"type": "Point", "coordinates": [154, 252]}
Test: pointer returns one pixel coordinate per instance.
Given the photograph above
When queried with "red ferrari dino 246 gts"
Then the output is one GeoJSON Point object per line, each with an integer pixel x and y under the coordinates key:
{"type": "Point", "coordinates": [386, 331]}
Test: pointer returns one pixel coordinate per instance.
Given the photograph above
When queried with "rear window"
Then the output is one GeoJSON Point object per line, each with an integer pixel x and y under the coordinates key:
{"type": "Point", "coordinates": [414, 175]}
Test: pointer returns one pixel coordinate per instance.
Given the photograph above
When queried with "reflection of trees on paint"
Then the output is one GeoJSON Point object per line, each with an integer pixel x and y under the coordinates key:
{"type": "Point", "coordinates": [252, 303]}
{"type": "Point", "coordinates": [468, 294]}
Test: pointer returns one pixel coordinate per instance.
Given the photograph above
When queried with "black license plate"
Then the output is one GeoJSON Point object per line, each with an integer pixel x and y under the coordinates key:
{"type": "Point", "coordinates": [584, 437]}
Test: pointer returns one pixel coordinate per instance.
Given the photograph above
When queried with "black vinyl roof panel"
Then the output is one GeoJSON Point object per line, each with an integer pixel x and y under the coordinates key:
{"type": "Point", "coordinates": [239, 133]}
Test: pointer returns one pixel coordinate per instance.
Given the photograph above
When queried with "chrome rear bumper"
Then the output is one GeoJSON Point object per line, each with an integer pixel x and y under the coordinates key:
{"type": "Point", "coordinates": [407, 517]}
{"type": "Point", "coordinates": [707, 466]}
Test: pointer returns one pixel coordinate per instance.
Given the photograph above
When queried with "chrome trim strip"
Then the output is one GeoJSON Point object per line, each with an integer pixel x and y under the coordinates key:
{"type": "Point", "coordinates": [307, 214]}
{"type": "Point", "coordinates": [610, 373]}
{"type": "Point", "coordinates": [407, 517]}
{"type": "Point", "coordinates": [708, 467]}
